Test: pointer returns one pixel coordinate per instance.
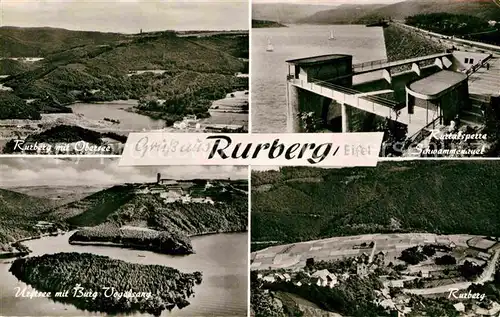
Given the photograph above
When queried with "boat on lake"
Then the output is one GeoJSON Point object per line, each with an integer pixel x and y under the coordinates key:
{"type": "Point", "coordinates": [270, 47]}
{"type": "Point", "coordinates": [331, 36]}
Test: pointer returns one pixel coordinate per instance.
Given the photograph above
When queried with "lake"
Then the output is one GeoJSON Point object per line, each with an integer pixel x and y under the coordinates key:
{"type": "Point", "coordinates": [134, 122]}
{"type": "Point", "coordinates": [269, 69]}
{"type": "Point", "coordinates": [117, 110]}
{"type": "Point", "coordinates": [223, 259]}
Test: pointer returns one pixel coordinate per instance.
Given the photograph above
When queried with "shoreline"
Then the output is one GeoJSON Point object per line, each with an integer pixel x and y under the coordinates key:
{"type": "Point", "coordinates": [14, 128]}
{"type": "Point", "coordinates": [146, 247]}
{"type": "Point", "coordinates": [19, 253]}
{"type": "Point", "coordinates": [176, 286]}
{"type": "Point", "coordinates": [216, 232]}
{"type": "Point", "coordinates": [10, 255]}
{"type": "Point", "coordinates": [133, 108]}
{"type": "Point", "coordinates": [136, 247]}
{"type": "Point", "coordinates": [266, 24]}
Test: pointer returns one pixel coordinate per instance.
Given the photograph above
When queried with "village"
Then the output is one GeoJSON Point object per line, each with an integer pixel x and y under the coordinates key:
{"type": "Point", "coordinates": [196, 191]}
{"type": "Point", "coordinates": [178, 191]}
{"type": "Point", "coordinates": [408, 267]}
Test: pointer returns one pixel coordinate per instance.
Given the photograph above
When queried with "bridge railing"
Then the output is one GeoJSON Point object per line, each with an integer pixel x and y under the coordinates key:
{"type": "Point", "coordinates": [369, 65]}
{"type": "Point", "coordinates": [373, 98]}
{"type": "Point", "coordinates": [421, 134]}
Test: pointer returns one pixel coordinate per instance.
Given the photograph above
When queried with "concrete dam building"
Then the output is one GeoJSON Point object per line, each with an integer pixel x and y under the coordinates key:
{"type": "Point", "coordinates": [416, 92]}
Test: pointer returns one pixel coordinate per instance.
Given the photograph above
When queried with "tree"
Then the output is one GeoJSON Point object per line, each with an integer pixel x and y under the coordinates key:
{"type": "Point", "coordinates": [470, 270]}
{"type": "Point", "coordinates": [428, 250]}
{"type": "Point", "coordinates": [412, 256]}
{"type": "Point", "coordinates": [310, 262]}
{"type": "Point", "coordinates": [446, 260]}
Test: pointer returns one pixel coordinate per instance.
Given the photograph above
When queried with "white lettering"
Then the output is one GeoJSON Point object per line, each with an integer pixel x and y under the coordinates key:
{"type": "Point", "coordinates": [454, 293]}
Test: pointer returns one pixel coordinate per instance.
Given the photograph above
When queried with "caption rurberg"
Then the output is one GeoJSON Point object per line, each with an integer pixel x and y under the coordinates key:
{"type": "Point", "coordinates": [306, 149]}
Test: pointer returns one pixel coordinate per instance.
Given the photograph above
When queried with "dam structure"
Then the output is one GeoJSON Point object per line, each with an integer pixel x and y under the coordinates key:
{"type": "Point", "coordinates": [418, 92]}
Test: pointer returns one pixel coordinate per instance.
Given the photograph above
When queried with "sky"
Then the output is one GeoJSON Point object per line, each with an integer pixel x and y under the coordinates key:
{"type": "Point", "coordinates": [18, 172]}
{"type": "Point", "coordinates": [127, 16]}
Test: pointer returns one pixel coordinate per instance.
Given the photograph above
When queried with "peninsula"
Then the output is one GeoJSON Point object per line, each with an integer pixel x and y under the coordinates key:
{"type": "Point", "coordinates": [266, 24]}
{"type": "Point", "coordinates": [159, 217]}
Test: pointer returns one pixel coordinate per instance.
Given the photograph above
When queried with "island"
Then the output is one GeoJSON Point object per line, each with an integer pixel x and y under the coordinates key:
{"type": "Point", "coordinates": [101, 284]}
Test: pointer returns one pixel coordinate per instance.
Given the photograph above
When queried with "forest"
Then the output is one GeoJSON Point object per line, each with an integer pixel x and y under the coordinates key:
{"type": "Point", "coordinates": [266, 24]}
{"type": "Point", "coordinates": [196, 71]}
{"type": "Point", "coordinates": [491, 288]}
{"type": "Point", "coordinates": [185, 93]}
{"type": "Point", "coordinates": [459, 25]}
{"type": "Point", "coordinates": [166, 242]}
{"type": "Point", "coordinates": [18, 215]}
{"type": "Point", "coordinates": [121, 206]}
{"type": "Point", "coordinates": [13, 107]}
{"type": "Point", "coordinates": [62, 272]}
{"type": "Point", "coordinates": [301, 204]}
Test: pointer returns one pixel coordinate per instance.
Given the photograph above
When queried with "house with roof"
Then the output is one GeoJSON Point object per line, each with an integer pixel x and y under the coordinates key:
{"type": "Point", "coordinates": [164, 181]}
{"type": "Point", "coordinates": [386, 303]}
{"type": "Point", "coordinates": [493, 311]}
{"type": "Point", "coordinates": [379, 257]}
{"type": "Point", "coordinates": [269, 279]}
{"type": "Point", "coordinates": [203, 200]}
{"type": "Point", "coordinates": [287, 277]}
{"type": "Point", "coordinates": [171, 196]}
{"type": "Point", "coordinates": [279, 277]}
{"type": "Point", "coordinates": [364, 258]}
{"type": "Point", "coordinates": [324, 278]}
{"type": "Point", "coordinates": [459, 307]}
{"type": "Point", "coordinates": [362, 269]}
{"type": "Point", "coordinates": [44, 225]}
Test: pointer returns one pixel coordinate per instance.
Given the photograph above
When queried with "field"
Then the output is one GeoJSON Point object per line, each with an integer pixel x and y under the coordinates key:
{"type": "Point", "coordinates": [294, 256]}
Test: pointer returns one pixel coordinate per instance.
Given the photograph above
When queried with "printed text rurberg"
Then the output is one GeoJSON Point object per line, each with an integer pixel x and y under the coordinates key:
{"type": "Point", "coordinates": [321, 149]}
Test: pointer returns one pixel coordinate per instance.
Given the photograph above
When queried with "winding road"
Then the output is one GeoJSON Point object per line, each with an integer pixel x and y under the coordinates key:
{"type": "Point", "coordinates": [486, 276]}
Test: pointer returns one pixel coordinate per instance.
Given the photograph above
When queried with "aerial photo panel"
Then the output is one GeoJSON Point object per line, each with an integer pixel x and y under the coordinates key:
{"type": "Point", "coordinates": [76, 77]}
{"type": "Point", "coordinates": [352, 153]}
{"type": "Point", "coordinates": [90, 238]}
{"type": "Point", "coordinates": [426, 73]}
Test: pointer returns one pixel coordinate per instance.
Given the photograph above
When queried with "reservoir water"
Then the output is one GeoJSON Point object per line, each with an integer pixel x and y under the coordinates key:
{"type": "Point", "coordinates": [133, 122]}
{"type": "Point", "coordinates": [117, 110]}
{"type": "Point", "coordinates": [269, 69]}
{"type": "Point", "coordinates": [221, 257]}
